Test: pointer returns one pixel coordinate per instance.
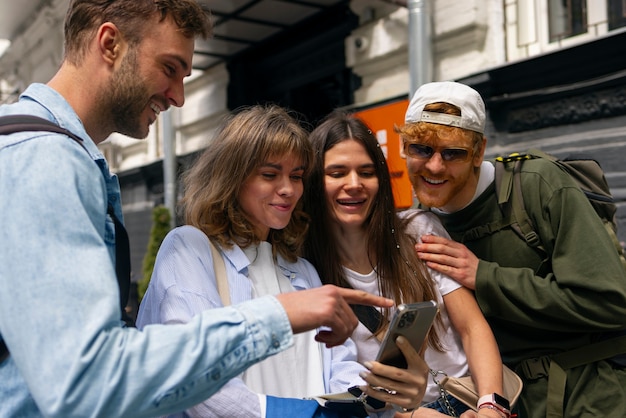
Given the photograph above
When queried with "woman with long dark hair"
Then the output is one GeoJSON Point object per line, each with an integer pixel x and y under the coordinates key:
{"type": "Point", "coordinates": [359, 241]}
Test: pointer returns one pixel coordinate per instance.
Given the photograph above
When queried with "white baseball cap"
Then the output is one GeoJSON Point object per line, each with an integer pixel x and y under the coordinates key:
{"type": "Point", "coordinates": [464, 97]}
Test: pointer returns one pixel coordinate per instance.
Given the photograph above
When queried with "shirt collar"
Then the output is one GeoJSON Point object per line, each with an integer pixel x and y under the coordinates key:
{"type": "Point", "coordinates": [56, 109]}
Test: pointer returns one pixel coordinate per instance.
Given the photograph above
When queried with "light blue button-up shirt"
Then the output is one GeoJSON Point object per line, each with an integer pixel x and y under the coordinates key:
{"type": "Point", "coordinates": [183, 283]}
{"type": "Point", "coordinates": [59, 299]}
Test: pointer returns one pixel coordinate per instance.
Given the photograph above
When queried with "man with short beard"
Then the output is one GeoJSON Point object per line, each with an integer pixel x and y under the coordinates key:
{"type": "Point", "coordinates": [63, 349]}
{"type": "Point", "coordinates": [541, 307]}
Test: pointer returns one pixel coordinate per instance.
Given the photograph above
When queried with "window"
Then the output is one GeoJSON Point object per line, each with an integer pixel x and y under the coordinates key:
{"type": "Point", "coordinates": [567, 18]}
{"type": "Point", "coordinates": [616, 9]}
{"type": "Point", "coordinates": [535, 27]}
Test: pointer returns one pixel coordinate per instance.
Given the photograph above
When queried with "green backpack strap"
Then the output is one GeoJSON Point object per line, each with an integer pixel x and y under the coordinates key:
{"type": "Point", "coordinates": [503, 185]}
{"type": "Point", "coordinates": [508, 184]}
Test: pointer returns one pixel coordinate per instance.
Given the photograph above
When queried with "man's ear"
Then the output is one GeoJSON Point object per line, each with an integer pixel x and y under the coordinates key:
{"type": "Point", "coordinates": [480, 152]}
{"type": "Point", "coordinates": [109, 43]}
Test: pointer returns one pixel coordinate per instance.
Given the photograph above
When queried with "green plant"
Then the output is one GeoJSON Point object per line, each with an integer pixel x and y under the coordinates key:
{"type": "Point", "coordinates": [160, 227]}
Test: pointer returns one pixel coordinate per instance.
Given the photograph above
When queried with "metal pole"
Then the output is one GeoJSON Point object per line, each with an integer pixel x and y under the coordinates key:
{"type": "Point", "coordinates": [420, 52]}
{"type": "Point", "coordinates": [169, 165]}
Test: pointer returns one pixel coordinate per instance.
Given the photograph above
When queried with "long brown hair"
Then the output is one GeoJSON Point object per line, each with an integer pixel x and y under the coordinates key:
{"type": "Point", "coordinates": [403, 277]}
{"type": "Point", "coordinates": [247, 139]}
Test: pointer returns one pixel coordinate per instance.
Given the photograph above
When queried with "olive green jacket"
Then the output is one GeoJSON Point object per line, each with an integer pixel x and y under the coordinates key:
{"type": "Point", "coordinates": [542, 307]}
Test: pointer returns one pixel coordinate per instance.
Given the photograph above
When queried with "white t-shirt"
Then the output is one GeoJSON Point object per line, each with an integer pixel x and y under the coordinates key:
{"type": "Point", "coordinates": [453, 361]}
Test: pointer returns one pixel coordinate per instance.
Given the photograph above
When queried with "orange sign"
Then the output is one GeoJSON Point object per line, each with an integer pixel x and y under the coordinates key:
{"type": "Point", "coordinates": [381, 120]}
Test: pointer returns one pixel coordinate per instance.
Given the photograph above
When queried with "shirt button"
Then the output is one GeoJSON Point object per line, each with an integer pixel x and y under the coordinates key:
{"type": "Point", "coordinates": [275, 342]}
{"type": "Point", "coordinates": [216, 375]}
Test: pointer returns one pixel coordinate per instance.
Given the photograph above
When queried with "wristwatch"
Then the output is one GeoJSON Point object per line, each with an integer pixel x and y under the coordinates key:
{"type": "Point", "coordinates": [495, 400]}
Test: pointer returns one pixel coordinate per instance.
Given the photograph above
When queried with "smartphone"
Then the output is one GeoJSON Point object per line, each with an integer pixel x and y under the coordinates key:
{"type": "Point", "coordinates": [412, 321]}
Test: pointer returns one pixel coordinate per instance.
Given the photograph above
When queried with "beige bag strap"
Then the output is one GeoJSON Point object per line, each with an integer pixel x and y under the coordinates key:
{"type": "Point", "coordinates": [220, 275]}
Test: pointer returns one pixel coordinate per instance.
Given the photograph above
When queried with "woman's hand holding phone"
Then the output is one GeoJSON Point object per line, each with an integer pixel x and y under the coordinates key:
{"type": "Point", "coordinates": [402, 387]}
{"type": "Point", "coordinates": [400, 374]}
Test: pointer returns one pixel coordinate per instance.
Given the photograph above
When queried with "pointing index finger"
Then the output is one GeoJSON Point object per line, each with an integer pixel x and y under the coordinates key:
{"type": "Point", "coordinates": [361, 297]}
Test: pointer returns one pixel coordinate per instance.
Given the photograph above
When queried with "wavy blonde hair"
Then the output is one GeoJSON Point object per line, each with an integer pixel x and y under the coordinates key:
{"type": "Point", "coordinates": [247, 139]}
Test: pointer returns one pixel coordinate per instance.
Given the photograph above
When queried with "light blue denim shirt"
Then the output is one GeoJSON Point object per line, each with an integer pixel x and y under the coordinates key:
{"type": "Point", "coordinates": [59, 299]}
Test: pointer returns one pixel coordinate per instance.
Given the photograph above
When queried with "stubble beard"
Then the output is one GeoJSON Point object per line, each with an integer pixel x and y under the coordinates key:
{"type": "Point", "coordinates": [127, 99]}
{"type": "Point", "coordinates": [441, 199]}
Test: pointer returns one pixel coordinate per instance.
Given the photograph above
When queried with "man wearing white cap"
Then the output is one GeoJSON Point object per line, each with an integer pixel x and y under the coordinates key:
{"type": "Point", "coordinates": [540, 309]}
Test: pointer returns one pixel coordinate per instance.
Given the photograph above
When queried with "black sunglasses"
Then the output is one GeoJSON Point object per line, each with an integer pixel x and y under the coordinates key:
{"type": "Point", "coordinates": [449, 155]}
